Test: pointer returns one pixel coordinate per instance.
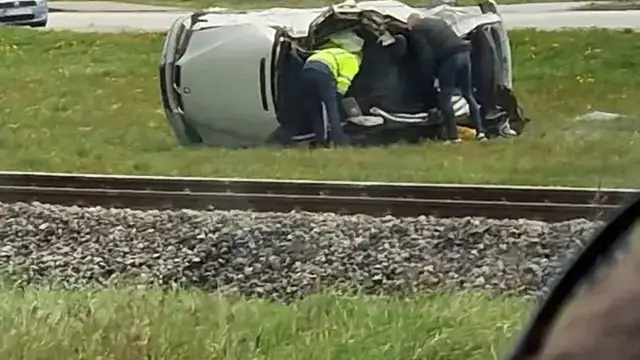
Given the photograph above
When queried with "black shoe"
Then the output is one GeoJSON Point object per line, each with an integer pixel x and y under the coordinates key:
{"type": "Point", "coordinates": [343, 141]}
{"type": "Point", "coordinates": [319, 145]}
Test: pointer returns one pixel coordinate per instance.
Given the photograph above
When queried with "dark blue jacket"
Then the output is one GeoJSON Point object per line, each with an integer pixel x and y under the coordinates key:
{"type": "Point", "coordinates": [433, 41]}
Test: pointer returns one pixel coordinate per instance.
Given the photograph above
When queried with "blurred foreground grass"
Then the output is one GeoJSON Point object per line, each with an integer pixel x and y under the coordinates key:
{"type": "Point", "coordinates": [73, 102]}
{"type": "Point", "coordinates": [133, 325]}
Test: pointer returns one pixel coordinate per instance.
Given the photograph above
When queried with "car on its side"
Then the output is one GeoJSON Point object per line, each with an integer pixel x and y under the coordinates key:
{"type": "Point", "coordinates": [34, 13]}
{"type": "Point", "coordinates": [232, 80]}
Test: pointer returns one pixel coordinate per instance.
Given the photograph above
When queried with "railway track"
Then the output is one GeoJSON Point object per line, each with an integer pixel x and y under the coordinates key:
{"type": "Point", "coordinates": [540, 203]}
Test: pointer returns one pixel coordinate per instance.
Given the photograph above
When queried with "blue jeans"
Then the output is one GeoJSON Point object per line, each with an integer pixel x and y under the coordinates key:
{"type": "Point", "coordinates": [455, 72]}
{"type": "Point", "coordinates": [319, 87]}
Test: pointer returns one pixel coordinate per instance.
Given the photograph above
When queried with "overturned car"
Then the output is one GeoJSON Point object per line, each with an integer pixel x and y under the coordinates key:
{"type": "Point", "coordinates": [231, 80]}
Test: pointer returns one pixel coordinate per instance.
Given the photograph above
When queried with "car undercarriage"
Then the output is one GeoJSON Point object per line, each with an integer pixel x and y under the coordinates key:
{"type": "Point", "coordinates": [388, 101]}
{"type": "Point", "coordinates": [395, 103]}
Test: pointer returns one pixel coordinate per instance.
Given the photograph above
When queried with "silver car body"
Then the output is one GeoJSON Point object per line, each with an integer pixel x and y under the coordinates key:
{"type": "Point", "coordinates": [216, 69]}
{"type": "Point", "coordinates": [24, 12]}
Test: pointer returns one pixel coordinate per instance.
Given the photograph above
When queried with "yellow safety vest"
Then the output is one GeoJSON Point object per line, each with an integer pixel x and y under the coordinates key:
{"type": "Point", "coordinates": [343, 64]}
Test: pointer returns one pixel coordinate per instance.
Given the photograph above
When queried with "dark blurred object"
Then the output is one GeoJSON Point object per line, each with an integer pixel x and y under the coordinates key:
{"type": "Point", "coordinates": [592, 312]}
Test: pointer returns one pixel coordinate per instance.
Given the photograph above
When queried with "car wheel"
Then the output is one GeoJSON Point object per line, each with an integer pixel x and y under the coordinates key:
{"type": "Point", "coordinates": [39, 24]}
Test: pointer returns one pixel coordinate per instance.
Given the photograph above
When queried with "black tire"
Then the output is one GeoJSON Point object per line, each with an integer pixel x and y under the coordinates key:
{"type": "Point", "coordinates": [39, 24]}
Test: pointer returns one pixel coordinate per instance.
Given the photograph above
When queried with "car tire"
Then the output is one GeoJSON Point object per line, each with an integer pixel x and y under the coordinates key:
{"type": "Point", "coordinates": [39, 24]}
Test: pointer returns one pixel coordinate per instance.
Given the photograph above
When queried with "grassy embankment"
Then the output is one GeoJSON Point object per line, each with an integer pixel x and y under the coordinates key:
{"type": "Point", "coordinates": [193, 326]}
{"type": "Point", "coordinates": [90, 103]}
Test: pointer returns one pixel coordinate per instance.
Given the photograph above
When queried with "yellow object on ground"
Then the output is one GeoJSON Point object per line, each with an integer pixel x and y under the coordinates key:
{"type": "Point", "coordinates": [466, 133]}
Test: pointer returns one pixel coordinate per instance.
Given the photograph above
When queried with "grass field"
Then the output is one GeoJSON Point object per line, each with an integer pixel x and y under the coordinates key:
{"type": "Point", "coordinates": [90, 103]}
{"type": "Point", "coordinates": [264, 4]}
{"type": "Point", "coordinates": [133, 325]}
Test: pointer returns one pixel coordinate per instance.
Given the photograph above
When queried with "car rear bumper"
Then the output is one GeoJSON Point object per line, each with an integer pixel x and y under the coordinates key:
{"type": "Point", "coordinates": [31, 15]}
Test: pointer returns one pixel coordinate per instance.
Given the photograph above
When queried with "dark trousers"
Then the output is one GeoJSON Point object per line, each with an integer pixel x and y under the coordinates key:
{"type": "Point", "coordinates": [319, 87]}
{"type": "Point", "coordinates": [455, 72]}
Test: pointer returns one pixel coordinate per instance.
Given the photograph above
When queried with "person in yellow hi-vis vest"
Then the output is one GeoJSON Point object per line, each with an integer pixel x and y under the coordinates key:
{"type": "Point", "coordinates": [326, 76]}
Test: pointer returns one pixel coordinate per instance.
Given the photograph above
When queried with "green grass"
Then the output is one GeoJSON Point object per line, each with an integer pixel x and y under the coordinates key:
{"type": "Point", "coordinates": [89, 103]}
{"type": "Point", "coordinates": [264, 4]}
{"type": "Point", "coordinates": [133, 325]}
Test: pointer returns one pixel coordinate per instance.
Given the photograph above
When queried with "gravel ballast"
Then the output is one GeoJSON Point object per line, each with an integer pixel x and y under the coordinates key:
{"type": "Point", "coordinates": [283, 256]}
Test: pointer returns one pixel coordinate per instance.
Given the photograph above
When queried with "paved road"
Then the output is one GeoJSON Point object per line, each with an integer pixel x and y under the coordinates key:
{"type": "Point", "coordinates": [98, 16]}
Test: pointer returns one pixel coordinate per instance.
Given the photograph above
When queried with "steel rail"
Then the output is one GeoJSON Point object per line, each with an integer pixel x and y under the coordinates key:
{"type": "Point", "coordinates": [547, 204]}
{"type": "Point", "coordinates": [571, 195]}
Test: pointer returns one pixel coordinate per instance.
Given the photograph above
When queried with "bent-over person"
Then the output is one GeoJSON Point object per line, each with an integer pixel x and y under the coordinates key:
{"type": "Point", "coordinates": [444, 55]}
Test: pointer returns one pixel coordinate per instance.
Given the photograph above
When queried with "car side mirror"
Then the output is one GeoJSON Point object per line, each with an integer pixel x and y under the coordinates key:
{"type": "Point", "coordinates": [488, 6]}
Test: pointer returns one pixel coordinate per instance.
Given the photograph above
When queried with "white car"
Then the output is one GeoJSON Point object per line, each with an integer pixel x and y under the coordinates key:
{"type": "Point", "coordinates": [232, 80]}
{"type": "Point", "coordinates": [34, 13]}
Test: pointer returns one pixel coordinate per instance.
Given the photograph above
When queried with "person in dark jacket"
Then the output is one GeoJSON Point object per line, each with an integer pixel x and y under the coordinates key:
{"type": "Point", "coordinates": [447, 57]}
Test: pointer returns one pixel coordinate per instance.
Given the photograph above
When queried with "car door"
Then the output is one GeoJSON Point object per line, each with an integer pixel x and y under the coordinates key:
{"type": "Point", "coordinates": [224, 84]}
